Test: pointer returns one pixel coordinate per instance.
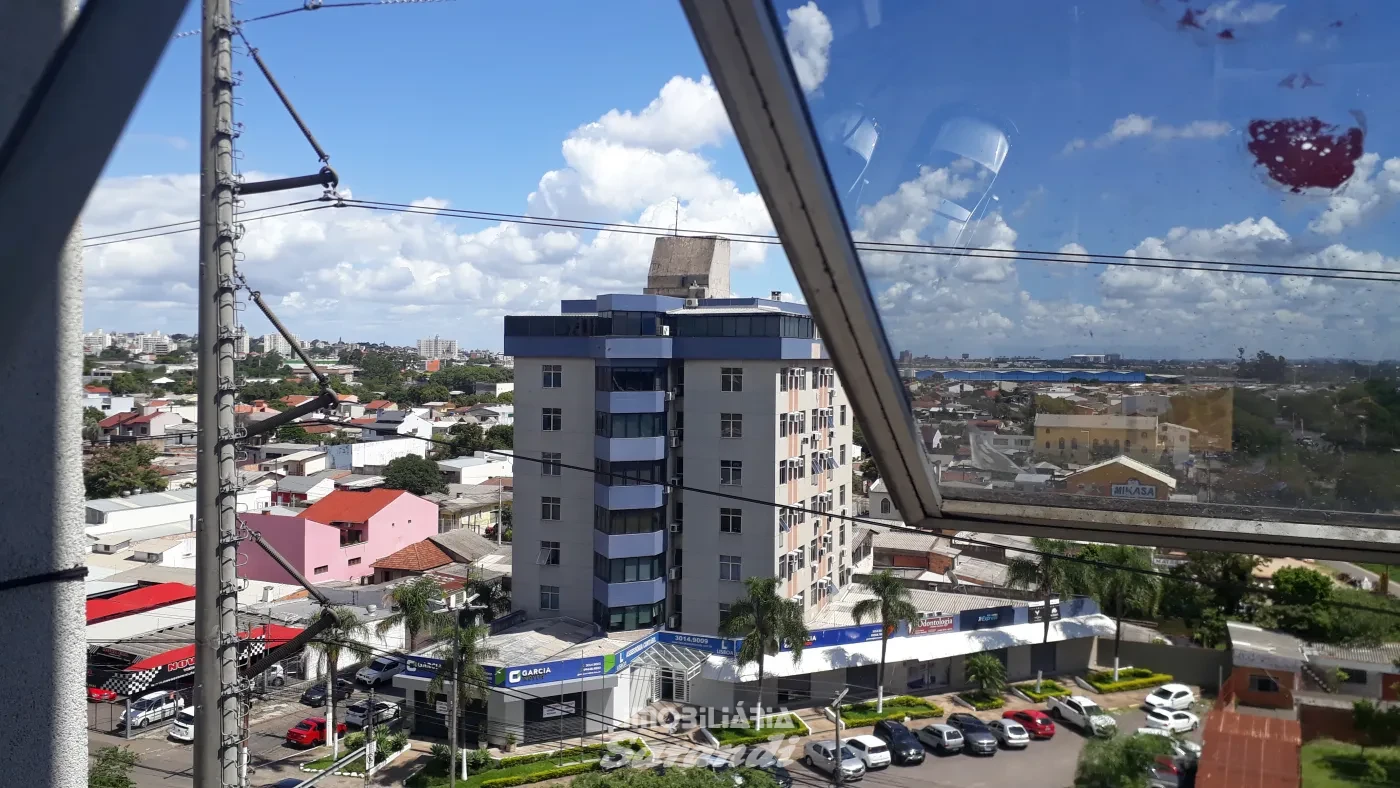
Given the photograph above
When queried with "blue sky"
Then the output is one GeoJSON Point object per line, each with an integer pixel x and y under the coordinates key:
{"type": "Point", "coordinates": [480, 105]}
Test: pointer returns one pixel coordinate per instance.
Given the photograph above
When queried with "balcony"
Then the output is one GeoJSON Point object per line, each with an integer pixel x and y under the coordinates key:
{"type": "Point", "coordinates": [642, 592]}
{"type": "Point", "coordinates": [628, 545]}
{"type": "Point", "coordinates": [638, 496]}
{"type": "Point", "coordinates": [629, 449]}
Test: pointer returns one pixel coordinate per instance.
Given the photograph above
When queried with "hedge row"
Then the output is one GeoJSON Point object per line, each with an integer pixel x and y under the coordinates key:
{"type": "Point", "coordinates": [1103, 676]}
{"type": "Point", "coordinates": [797, 728]}
{"type": "Point", "coordinates": [590, 749]}
{"type": "Point", "coordinates": [858, 715]}
{"type": "Point", "coordinates": [1133, 679]}
{"type": "Point", "coordinates": [1048, 689]}
{"type": "Point", "coordinates": [983, 702]}
{"type": "Point", "coordinates": [541, 775]}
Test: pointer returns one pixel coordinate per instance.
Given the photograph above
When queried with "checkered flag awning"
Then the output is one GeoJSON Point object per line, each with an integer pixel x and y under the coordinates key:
{"type": "Point", "coordinates": [132, 682]}
{"type": "Point", "coordinates": [140, 676]}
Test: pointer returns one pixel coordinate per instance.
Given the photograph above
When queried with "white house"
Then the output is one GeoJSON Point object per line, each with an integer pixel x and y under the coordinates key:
{"type": "Point", "coordinates": [475, 469]}
{"type": "Point", "coordinates": [396, 422]}
{"type": "Point", "coordinates": [372, 456]}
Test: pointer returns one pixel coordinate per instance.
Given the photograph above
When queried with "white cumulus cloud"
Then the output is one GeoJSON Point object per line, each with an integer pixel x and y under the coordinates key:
{"type": "Point", "coordinates": [1134, 126]}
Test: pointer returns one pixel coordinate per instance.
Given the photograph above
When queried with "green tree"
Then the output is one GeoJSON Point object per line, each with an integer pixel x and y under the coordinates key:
{"type": "Point", "coordinates": [92, 417]}
{"type": "Point", "coordinates": [125, 383]}
{"type": "Point", "coordinates": [1119, 761]}
{"type": "Point", "coordinates": [381, 368]}
{"type": "Point", "coordinates": [113, 353]}
{"type": "Point", "coordinates": [987, 672]}
{"type": "Point", "coordinates": [418, 475]}
{"type": "Point", "coordinates": [892, 607]}
{"type": "Point", "coordinates": [111, 768]}
{"type": "Point", "coordinates": [1125, 590]}
{"type": "Point", "coordinates": [1208, 589]}
{"type": "Point", "coordinates": [1369, 482]}
{"type": "Point", "coordinates": [416, 606]}
{"type": "Point", "coordinates": [765, 621]}
{"type": "Point", "coordinates": [345, 637]}
{"type": "Point", "coordinates": [293, 433]}
{"type": "Point", "coordinates": [1045, 573]}
{"type": "Point", "coordinates": [500, 436]}
{"type": "Point", "coordinates": [418, 395]}
{"type": "Point", "coordinates": [1378, 727]}
{"type": "Point", "coordinates": [125, 467]}
{"type": "Point", "coordinates": [494, 594]}
{"type": "Point", "coordinates": [467, 650]}
{"type": "Point", "coordinates": [466, 439]}
{"type": "Point", "coordinates": [675, 778]}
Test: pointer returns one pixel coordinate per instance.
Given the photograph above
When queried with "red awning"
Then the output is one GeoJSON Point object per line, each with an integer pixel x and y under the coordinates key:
{"type": "Point", "coordinates": [138, 601]}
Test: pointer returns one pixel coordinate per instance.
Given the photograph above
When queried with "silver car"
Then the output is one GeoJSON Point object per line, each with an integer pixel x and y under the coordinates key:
{"type": "Point", "coordinates": [1010, 734]}
{"type": "Point", "coordinates": [941, 738]}
{"type": "Point", "coordinates": [821, 755]}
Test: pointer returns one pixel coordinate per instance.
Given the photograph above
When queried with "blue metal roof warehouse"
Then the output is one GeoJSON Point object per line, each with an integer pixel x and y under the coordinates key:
{"type": "Point", "coordinates": [1037, 375]}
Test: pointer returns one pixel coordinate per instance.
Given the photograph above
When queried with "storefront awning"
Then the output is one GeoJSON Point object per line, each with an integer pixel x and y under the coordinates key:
{"type": "Point", "coordinates": [923, 649]}
{"type": "Point", "coordinates": [681, 659]}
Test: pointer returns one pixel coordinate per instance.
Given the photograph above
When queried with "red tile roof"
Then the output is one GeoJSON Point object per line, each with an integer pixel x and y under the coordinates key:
{"type": "Point", "coordinates": [97, 389]}
{"type": "Point", "coordinates": [351, 506]}
{"type": "Point", "coordinates": [295, 399]}
{"type": "Point", "coordinates": [158, 402]}
{"type": "Point", "coordinates": [378, 404]}
{"type": "Point", "coordinates": [320, 429]}
{"type": "Point", "coordinates": [363, 420]}
{"type": "Point", "coordinates": [1248, 751]}
{"type": "Point", "coordinates": [138, 601]}
{"type": "Point", "coordinates": [146, 419]}
{"type": "Point", "coordinates": [417, 557]}
{"type": "Point", "coordinates": [116, 419]}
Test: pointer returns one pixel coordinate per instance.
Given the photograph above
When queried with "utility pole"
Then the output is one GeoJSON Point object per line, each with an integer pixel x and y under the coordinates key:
{"type": "Point", "coordinates": [369, 736]}
{"type": "Point", "coordinates": [452, 701]}
{"type": "Point", "coordinates": [838, 775]}
{"type": "Point", "coordinates": [217, 739]}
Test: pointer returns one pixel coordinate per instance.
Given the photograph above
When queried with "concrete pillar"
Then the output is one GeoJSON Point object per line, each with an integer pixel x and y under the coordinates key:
{"type": "Point", "coordinates": [44, 715]}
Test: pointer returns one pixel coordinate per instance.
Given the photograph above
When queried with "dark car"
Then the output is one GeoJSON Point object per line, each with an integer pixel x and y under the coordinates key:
{"type": "Point", "coordinates": [905, 747]}
{"type": "Point", "coordinates": [315, 695]}
{"type": "Point", "coordinates": [759, 758]}
{"type": "Point", "coordinates": [977, 737]}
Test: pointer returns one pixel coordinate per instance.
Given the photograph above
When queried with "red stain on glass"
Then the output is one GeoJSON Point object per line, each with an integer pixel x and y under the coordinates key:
{"type": "Point", "coordinates": [1306, 153]}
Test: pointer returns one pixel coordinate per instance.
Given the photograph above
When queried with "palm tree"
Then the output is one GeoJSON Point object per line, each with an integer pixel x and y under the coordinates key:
{"type": "Point", "coordinates": [765, 621]}
{"type": "Point", "coordinates": [494, 594]}
{"type": "Point", "coordinates": [1120, 591]}
{"type": "Point", "coordinates": [987, 672]}
{"type": "Point", "coordinates": [467, 650]}
{"type": "Point", "coordinates": [1044, 573]}
{"type": "Point", "coordinates": [417, 606]}
{"type": "Point", "coordinates": [345, 636]}
{"type": "Point", "coordinates": [892, 606]}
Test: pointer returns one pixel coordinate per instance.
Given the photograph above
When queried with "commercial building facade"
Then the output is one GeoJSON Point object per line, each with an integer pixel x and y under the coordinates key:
{"type": "Point", "coordinates": [655, 392]}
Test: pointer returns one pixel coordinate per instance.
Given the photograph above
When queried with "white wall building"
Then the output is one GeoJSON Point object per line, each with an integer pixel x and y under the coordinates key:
{"type": "Point", "coordinates": [437, 347]}
{"type": "Point", "coordinates": [279, 344]}
{"type": "Point", "coordinates": [372, 456]}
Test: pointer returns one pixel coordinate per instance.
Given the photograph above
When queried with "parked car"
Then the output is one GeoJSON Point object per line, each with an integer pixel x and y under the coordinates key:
{"type": "Point", "coordinates": [315, 694]}
{"type": "Point", "coordinates": [151, 707]}
{"type": "Point", "coordinates": [1010, 734]}
{"type": "Point", "coordinates": [942, 739]}
{"type": "Point", "coordinates": [285, 782]}
{"type": "Point", "coordinates": [978, 739]}
{"type": "Point", "coordinates": [720, 764]}
{"type": "Point", "coordinates": [384, 711]}
{"type": "Point", "coordinates": [1184, 751]}
{"type": "Point", "coordinates": [1174, 721]}
{"type": "Point", "coordinates": [905, 747]}
{"type": "Point", "coordinates": [101, 694]}
{"type": "Point", "coordinates": [1164, 773]}
{"type": "Point", "coordinates": [1170, 696]}
{"type": "Point", "coordinates": [1036, 722]}
{"type": "Point", "coordinates": [380, 669]}
{"type": "Point", "coordinates": [872, 752]}
{"type": "Point", "coordinates": [763, 760]}
{"type": "Point", "coordinates": [183, 727]}
{"type": "Point", "coordinates": [311, 732]}
{"type": "Point", "coordinates": [821, 755]}
{"type": "Point", "coordinates": [1083, 714]}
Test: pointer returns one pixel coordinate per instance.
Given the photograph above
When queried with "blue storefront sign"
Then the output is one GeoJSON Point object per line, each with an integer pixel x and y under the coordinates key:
{"type": "Point", "coordinates": [725, 647]}
{"type": "Point", "coordinates": [986, 618]}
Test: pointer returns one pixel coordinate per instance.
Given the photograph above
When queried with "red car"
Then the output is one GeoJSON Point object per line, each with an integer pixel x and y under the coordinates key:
{"type": "Point", "coordinates": [312, 731]}
{"type": "Point", "coordinates": [99, 694]}
{"type": "Point", "coordinates": [1036, 722]}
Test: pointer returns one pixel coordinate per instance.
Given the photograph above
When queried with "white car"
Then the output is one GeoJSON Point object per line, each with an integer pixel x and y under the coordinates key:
{"type": "Point", "coordinates": [1010, 733]}
{"type": "Point", "coordinates": [151, 707]}
{"type": "Point", "coordinates": [1182, 749]}
{"type": "Point", "coordinates": [183, 727]}
{"type": "Point", "coordinates": [380, 669]}
{"type": "Point", "coordinates": [873, 752]}
{"type": "Point", "coordinates": [1173, 721]}
{"type": "Point", "coordinates": [384, 711]}
{"type": "Point", "coordinates": [1170, 696]}
{"type": "Point", "coordinates": [821, 755]}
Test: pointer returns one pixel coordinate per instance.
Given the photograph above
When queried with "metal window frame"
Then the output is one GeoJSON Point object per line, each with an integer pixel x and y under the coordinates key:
{"type": "Point", "coordinates": [743, 46]}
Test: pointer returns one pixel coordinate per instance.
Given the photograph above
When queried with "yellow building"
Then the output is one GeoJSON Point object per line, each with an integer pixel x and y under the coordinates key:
{"type": "Point", "coordinates": [1121, 477]}
{"type": "Point", "coordinates": [1085, 439]}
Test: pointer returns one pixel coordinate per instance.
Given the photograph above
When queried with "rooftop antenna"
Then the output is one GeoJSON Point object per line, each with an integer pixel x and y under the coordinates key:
{"type": "Point", "coordinates": [676, 224]}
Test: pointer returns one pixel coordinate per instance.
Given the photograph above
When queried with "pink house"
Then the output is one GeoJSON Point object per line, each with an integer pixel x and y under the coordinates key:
{"type": "Point", "coordinates": [341, 536]}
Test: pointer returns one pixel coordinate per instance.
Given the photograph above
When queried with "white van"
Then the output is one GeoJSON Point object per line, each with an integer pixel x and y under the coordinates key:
{"type": "Point", "coordinates": [380, 669]}
{"type": "Point", "coordinates": [151, 707]}
{"type": "Point", "coordinates": [183, 727]}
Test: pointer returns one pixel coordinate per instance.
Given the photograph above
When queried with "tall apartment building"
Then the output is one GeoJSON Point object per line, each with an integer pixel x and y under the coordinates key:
{"type": "Point", "coordinates": [95, 342]}
{"type": "Point", "coordinates": [436, 347]}
{"type": "Point", "coordinates": [156, 343]}
{"type": "Point", "coordinates": [733, 395]}
{"type": "Point", "coordinates": [240, 342]}
{"type": "Point", "coordinates": [278, 343]}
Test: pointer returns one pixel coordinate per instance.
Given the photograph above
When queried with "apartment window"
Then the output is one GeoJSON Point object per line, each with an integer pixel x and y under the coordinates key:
{"type": "Point", "coordinates": [731, 379]}
{"type": "Point", "coordinates": [843, 455]}
{"type": "Point", "coordinates": [321, 570]}
{"type": "Point", "coordinates": [782, 425]}
{"type": "Point", "coordinates": [629, 425]}
{"type": "Point", "coordinates": [549, 508]}
{"type": "Point", "coordinates": [353, 562]}
{"type": "Point", "coordinates": [843, 415]}
{"type": "Point", "coordinates": [1259, 683]}
{"type": "Point", "coordinates": [843, 495]}
{"type": "Point", "coordinates": [731, 521]}
{"type": "Point", "coordinates": [628, 521]}
{"type": "Point", "coordinates": [617, 619]}
{"type": "Point", "coordinates": [628, 570]}
{"type": "Point", "coordinates": [885, 506]}
{"type": "Point", "coordinates": [723, 611]}
{"type": "Point", "coordinates": [731, 425]}
{"type": "Point", "coordinates": [549, 554]}
{"type": "Point", "coordinates": [843, 532]}
{"type": "Point", "coordinates": [553, 419]}
{"type": "Point", "coordinates": [551, 464]}
{"type": "Point", "coordinates": [629, 474]}
{"type": "Point", "coordinates": [731, 472]}
{"type": "Point", "coordinates": [549, 597]}
{"type": "Point", "coordinates": [553, 376]}
{"type": "Point", "coordinates": [630, 379]}
{"type": "Point", "coordinates": [1074, 443]}
{"type": "Point", "coordinates": [730, 567]}
{"type": "Point", "coordinates": [1350, 676]}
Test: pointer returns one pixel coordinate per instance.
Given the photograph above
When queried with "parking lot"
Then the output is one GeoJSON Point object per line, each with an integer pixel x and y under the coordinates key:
{"type": "Point", "coordinates": [1046, 763]}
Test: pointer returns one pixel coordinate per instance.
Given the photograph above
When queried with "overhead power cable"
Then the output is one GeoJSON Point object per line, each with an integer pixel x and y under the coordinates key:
{"type": "Point", "coordinates": [241, 218]}
{"type": "Point", "coordinates": [314, 5]}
